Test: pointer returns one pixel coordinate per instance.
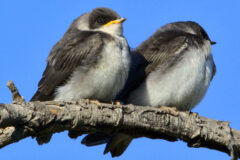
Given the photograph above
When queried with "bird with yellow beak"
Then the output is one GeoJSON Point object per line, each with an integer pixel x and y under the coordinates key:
{"type": "Point", "coordinates": [90, 61]}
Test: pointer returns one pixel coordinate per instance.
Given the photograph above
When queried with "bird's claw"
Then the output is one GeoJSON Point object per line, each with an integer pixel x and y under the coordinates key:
{"type": "Point", "coordinates": [94, 102]}
{"type": "Point", "coordinates": [118, 103]}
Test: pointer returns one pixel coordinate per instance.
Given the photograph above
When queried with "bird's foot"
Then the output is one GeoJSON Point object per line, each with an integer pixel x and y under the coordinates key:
{"type": "Point", "coordinates": [118, 103]}
{"type": "Point", "coordinates": [94, 102]}
{"type": "Point", "coordinates": [168, 108]}
{"type": "Point", "coordinates": [87, 101]}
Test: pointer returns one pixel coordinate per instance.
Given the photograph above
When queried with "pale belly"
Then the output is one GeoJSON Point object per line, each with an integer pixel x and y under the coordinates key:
{"type": "Point", "coordinates": [182, 87]}
{"type": "Point", "coordinates": [103, 81]}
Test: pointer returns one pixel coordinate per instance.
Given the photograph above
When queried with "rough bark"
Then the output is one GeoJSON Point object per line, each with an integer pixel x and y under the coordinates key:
{"type": "Point", "coordinates": [21, 119]}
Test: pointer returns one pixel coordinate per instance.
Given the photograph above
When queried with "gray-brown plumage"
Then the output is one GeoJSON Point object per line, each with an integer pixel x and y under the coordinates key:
{"type": "Point", "coordinates": [63, 59]}
{"type": "Point", "coordinates": [179, 70]}
{"type": "Point", "coordinates": [87, 49]}
{"type": "Point", "coordinates": [90, 61]}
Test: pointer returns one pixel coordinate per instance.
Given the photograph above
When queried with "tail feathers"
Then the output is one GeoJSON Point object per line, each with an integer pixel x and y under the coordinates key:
{"type": "Point", "coordinates": [118, 144]}
{"type": "Point", "coordinates": [96, 139]}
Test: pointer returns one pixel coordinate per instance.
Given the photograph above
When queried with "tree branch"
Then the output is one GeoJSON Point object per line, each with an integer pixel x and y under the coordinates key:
{"type": "Point", "coordinates": [21, 119]}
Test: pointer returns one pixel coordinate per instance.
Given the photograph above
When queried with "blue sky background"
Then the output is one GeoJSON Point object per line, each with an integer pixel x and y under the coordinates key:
{"type": "Point", "coordinates": [30, 28]}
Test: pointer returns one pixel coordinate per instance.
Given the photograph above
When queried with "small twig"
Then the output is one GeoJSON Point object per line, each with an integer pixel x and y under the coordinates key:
{"type": "Point", "coordinates": [16, 97]}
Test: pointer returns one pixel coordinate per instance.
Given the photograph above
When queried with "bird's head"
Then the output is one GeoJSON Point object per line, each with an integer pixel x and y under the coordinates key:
{"type": "Point", "coordinates": [106, 20]}
{"type": "Point", "coordinates": [198, 30]}
{"type": "Point", "coordinates": [100, 19]}
{"type": "Point", "coordinates": [188, 27]}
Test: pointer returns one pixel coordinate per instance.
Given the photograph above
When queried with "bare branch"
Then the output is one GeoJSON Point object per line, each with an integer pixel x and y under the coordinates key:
{"type": "Point", "coordinates": [38, 118]}
{"type": "Point", "coordinates": [20, 119]}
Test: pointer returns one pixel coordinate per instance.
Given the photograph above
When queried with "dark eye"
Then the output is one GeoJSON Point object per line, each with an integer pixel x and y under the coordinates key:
{"type": "Point", "coordinates": [100, 20]}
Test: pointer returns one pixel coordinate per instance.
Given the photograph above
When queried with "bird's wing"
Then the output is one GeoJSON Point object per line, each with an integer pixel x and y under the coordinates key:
{"type": "Point", "coordinates": [135, 76]}
{"type": "Point", "coordinates": [164, 49]}
{"type": "Point", "coordinates": [155, 52]}
{"type": "Point", "coordinates": [76, 48]}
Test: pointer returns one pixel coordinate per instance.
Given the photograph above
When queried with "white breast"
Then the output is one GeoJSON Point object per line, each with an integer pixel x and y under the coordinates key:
{"type": "Point", "coordinates": [182, 87]}
{"type": "Point", "coordinates": [105, 80]}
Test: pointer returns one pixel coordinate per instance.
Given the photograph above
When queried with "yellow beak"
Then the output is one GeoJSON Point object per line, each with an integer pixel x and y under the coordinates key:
{"type": "Point", "coordinates": [117, 21]}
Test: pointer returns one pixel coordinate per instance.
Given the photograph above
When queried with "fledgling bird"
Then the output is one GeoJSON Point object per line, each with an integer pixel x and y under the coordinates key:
{"type": "Point", "coordinates": [179, 71]}
{"type": "Point", "coordinates": [90, 61]}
